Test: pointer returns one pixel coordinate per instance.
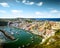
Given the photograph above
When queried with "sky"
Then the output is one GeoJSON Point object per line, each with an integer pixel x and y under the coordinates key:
{"type": "Point", "coordinates": [29, 8]}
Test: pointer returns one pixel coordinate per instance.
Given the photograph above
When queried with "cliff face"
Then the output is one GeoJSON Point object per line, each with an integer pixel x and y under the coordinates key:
{"type": "Point", "coordinates": [52, 42]}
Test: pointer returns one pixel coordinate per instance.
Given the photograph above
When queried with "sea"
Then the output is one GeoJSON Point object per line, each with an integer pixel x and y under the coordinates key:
{"type": "Point", "coordinates": [49, 19]}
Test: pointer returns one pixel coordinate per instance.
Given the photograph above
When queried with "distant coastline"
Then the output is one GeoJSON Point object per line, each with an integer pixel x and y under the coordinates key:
{"type": "Point", "coordinates": [42, 19]}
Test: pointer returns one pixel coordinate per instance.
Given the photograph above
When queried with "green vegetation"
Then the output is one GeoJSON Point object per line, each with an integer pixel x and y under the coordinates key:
{"type": "Point", "coordinates": [3, 23]}
{"type": "Point", "coordinates": [29, 21]}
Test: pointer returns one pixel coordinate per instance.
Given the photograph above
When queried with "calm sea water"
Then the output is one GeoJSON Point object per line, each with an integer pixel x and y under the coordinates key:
{"type": "Point", "coordinates": [23, 38]}
{"type": "Point", "coordinates": [49, 19]}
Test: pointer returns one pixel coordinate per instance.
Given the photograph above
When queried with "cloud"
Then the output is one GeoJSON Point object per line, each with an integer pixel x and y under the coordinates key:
{"type": "Point", "coordinates": [4, 4]}
{"type": "Point", "coordinates": [46, 14]}
{"type": "Point", "coordinates": [27, 2]}
{"type": "Point", "coordinates": [16, 11]}
{"type": "Point", "coordinates": [38, 13]}
{"type": "Point", "coordinates": [2, 11]}
{"type": "Point", "coordinates": [39, 4]}
{"type": "Point", "coordinates": [54, 11]}
{"type": "Point", "coordinates": [23, 1]}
